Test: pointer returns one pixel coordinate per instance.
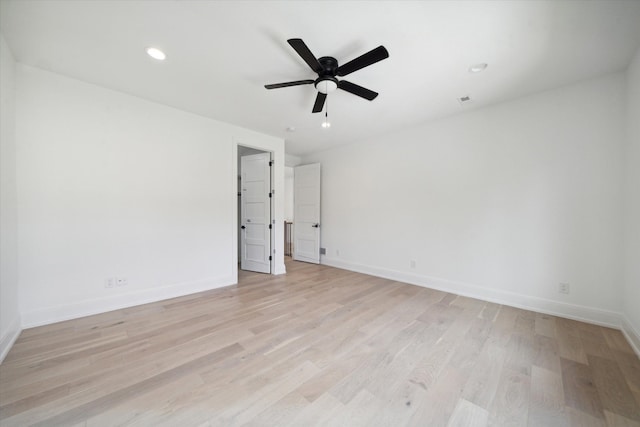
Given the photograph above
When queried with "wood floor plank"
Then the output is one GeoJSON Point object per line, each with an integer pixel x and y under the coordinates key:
{"type": "Point", "coordinates": [525, 323]}
{"type": "Point", "coordinates": [329, 377]}
{"type": "Point", "coordinates": [546, 353]}
{"type": "Point", "coordinates": [580, 390]}
{"type": "Point", "coordinates": [615, 420]}
{"type": "Point", "coordinates": [594, 344]}
{"type": "Point", "coordinates": [503, 325]}
{"type": "Point", "coordinates": [630, 367]}
{"type": "Point", "coordinates": [440, 399]}
{"type": "Point", "coordinates": [547, 399]}
{"type": "Point", "coordinates": [578, 418]}
{"type": "Point", "coordinates": [545, 325]}
{"type": "Point", "coordinates": [616, 340]}
{"type": "Point", "coordinates": [510, 406]}
{"type": "Point", "coordinates": [489, 311]}
{"type": "Point", "coordinates": [399, 404]}
{"type": "Point", "coordinates": [318, 413]}
{"type": "Point", "coordinates": [280, 412]}
{"type": "Point", "coordinates": [141, 409]}
{"type": "Point", "coordinates": [482, 384]}
{"type": "Point", "coordinates": [466, 414]}
{"type": "Point", "coordinates": [100, 405]}
{"type": "Point", "coordinates": [569, 341]}
{"type": "Point", "coordinates": [361, 411]}
{"type": "Point", "coordinates": [278, 387]}
{"type": "Point", "coordinates": [611, 386]}
{"type": "Point", "coordinates": [320, 346]}
{"type": "Point", "coordinates": [520, 353]}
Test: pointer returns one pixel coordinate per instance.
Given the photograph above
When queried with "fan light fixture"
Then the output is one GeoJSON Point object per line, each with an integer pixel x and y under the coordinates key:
{"type": "Point", "coordinates": [326, 85]}
{"type": "Point", "coordinates": [156, 53]}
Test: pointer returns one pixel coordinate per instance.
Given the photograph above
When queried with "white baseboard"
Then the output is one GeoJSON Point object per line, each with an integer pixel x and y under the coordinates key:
{"type": "Point", "coordinates": [556, 308]}
{"type": "Point", "coordinates": [280, 269]}
{"type": "Point", "coordinates": [632, 335]}
{"type": "Point", "coordinates": [61, 313]}
{"type": "Point", "coordinates": [10, 337]}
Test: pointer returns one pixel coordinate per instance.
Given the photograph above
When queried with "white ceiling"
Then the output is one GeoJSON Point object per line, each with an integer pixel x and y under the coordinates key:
{"type": "Point", "coordinates": [221, 53]}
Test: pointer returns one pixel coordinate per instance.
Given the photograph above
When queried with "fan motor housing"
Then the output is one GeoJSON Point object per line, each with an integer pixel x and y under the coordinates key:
{"type": "Point", "coordinates": [329, 65]}
{"type": "Point", "coordinates": [326, 81]}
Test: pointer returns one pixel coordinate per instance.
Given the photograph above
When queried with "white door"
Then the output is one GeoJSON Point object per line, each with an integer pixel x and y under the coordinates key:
{"type": "Point", "coordinates": [306, 213]}
{"type": "Point", "coordinates": [255, 235]}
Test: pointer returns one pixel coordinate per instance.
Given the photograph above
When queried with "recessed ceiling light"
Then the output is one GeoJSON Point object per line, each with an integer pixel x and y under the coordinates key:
{"type": "Point", "coordinates": [478, 68]}
{"type": "Point", "coordinates": [291, 129]}
{"type": "Point", "coordinates": [156, 53]}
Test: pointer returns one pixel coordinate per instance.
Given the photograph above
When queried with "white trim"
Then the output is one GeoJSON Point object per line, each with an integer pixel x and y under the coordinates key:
{"type": "Point", "coordinates": [632, 334]}
{"type": "Point", "coordinates": [234, 219]}
{"type": "Point", "coordinates": [556, 308]}
{"type": "Point", "coordinates": [96, 306]}
{"type": "Point", "coordinates": [10, 337]}
{"type": "Point", "coordinates": [280, 269]}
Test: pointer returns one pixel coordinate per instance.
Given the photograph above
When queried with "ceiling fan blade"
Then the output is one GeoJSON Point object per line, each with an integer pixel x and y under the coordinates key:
{"type": "Point", "coordinates": [371, 57]}
{"type": "Point", "coordinates": [357, 90]}
{"type": "Point", "coordinates": [299, 46]}
{"type": "Point", "coordinates": [319, 104]}
{"type": "Point", "coordinates": [287, 84]}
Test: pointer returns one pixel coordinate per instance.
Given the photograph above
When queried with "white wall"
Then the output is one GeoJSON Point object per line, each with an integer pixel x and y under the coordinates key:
{"type": "Point", "coordinates": [502, 203]}
{"type": "Point", "coordinates": [9, 315]}
{"type": "Point", "coordinates": [291, 162]}
{"type": "Point", "coordinates": [631, 295]}
{"type": "Point", "coordinates": [114, 186]}
{"type": "Point", "coordinates": [288, 193]}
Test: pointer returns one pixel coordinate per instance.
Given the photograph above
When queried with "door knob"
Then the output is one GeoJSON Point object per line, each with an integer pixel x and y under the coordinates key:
{"type": "Point", "coordinates": [243, 227]}
{"type": "Point", "coordinates": [316, 225]}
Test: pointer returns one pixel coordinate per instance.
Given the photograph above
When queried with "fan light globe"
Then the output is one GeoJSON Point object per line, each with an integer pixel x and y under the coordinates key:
{"type": "Point", "coordinates": [326, 86]}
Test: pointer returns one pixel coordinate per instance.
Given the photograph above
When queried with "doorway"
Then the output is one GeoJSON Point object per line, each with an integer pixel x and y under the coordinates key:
{"type": "Point", "coordinates": [255, 210]}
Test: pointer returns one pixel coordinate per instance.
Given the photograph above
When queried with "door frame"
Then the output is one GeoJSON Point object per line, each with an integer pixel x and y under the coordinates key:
{"type": "Point", "coordinates": [272, 146]}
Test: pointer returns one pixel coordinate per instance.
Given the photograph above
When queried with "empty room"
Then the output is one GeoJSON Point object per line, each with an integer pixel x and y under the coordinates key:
{"type": "Point", "coordinates": [309, 213]}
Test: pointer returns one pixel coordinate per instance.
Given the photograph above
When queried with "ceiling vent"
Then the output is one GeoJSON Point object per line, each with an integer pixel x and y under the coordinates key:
{"type": "Point", "coordinates": [464, 100]}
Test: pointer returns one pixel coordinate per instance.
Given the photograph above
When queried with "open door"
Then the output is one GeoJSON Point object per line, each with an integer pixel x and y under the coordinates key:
{"type": "Point", "coordinates": [255, 235]}
{"type": "Point", "coordinates": [306, 213]}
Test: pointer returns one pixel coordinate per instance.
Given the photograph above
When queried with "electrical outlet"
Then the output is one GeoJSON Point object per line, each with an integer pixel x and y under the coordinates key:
{"type": "Point", "coordinates": [110, 282]}
{"type": "Point", "coordinates": [337, 252]}
{"type": "Point", "coordinates": [412, 263]}
{"type": "Point", "coordinates": [122, 281]}
{"type": "Point", "coordinates": [564, 288]}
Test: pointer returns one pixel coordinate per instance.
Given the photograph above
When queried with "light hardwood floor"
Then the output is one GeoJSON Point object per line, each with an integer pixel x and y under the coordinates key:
{"type": "Point", "coordinates": [320, 346]}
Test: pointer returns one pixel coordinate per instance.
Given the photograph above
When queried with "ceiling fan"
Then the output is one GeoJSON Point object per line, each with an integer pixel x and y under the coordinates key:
{"type": "Point", "coordinates": [328, 70]}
